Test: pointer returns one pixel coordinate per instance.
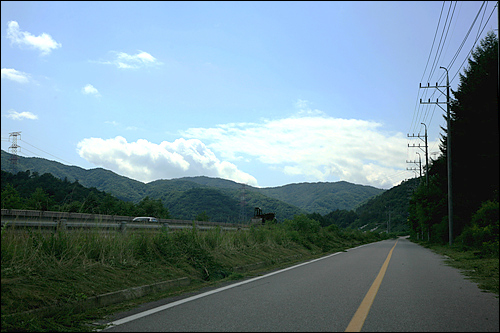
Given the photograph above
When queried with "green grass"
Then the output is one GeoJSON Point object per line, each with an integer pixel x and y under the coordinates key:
{"type": "Point", "coordinates": [42, 269]}
{"type": "Point", "coordinates": [477, 267]}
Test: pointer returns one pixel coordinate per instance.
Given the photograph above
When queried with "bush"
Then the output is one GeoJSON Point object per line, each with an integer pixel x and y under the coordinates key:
{"type": "Point", "coordinates": [303, 224]}
{"type": "Point", "coordinates": [482, 234]}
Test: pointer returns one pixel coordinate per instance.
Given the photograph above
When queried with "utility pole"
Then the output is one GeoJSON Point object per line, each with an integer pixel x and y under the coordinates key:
{"type": "Point", "coordinates": [448, 146]}
{"type": "Point", "coordinates": [426, 158]}
{"type": "Point", "coordinates": [419, 163]}
{"type": "Point", "coordinates": [425, 151]}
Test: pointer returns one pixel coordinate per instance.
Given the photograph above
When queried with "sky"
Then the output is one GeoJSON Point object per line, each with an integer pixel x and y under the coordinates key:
{"type": "Point", "coordinates": [261, 93]}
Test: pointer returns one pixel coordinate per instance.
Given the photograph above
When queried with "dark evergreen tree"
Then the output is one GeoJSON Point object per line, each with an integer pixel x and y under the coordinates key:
{"type": "Point", "coordinates": [474, 130]}
{"type": "Point", "coordinates": [475, 149]}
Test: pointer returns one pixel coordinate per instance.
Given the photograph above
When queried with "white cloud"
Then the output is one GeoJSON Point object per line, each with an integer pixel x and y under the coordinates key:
{"type": "Point", "coordinates": [14, 75]}
{"type": "Point", "coordinates": [146, 161]}
{"type": "Point", "coordinates": [305, 110]}
{"type": "Point", "coordinates": [301, 104]}
{"type": "Point", "coordinates": [12, 114]}
{"type": "Point", "coordinates": [43, 42]}
{"type": "Point", "coordinates": [90, 90]}
{"type": "Point", "coordinates": [117, 124]}
{"type": "Point", "coordinates": [317, 147]}
{"type": "Point", "coordinates": [127, 61]}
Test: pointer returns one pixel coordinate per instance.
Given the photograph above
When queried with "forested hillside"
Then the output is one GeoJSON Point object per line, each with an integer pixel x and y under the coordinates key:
{"type": "Point", "coordinates": [121, 187]}
{"type": "Point", "coordinates": [187, 201]}
{"type": "Point", "coordinates": [220, 199]}
{"type": "Point", "coordinates": [26, 190]}
{"type": "Point", "coordinates": [322, 198]}
{"type": "Point", "coordinates": [385, 212]}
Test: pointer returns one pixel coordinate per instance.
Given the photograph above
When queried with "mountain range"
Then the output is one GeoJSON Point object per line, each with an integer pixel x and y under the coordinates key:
{"type": "Point", "coordinates": [222, 200]}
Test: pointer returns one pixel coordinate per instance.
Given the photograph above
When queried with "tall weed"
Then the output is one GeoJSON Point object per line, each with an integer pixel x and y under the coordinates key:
{"type": "Point", "coordinates": [41, 268]}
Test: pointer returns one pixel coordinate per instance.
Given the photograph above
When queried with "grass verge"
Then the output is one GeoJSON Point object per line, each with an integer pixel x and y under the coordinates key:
{"type": "Point", "coordinates": [477, 267]}
{"type": "Point", "coordinates": [57, 269]}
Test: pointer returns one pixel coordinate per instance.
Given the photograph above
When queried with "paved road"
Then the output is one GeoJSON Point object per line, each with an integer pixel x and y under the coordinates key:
{"type": "Point", "coordinates": [416, 292]}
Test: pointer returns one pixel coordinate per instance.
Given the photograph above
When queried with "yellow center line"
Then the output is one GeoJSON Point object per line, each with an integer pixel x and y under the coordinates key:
{"type": "Point", "coordinates": [359, 317]}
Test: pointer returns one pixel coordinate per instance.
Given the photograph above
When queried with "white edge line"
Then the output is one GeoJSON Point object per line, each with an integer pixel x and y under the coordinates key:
{"type": "Point", "coordinates": [192, 298]}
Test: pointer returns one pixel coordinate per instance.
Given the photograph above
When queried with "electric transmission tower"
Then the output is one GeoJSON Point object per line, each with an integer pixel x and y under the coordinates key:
{"type": "Point", "coordinates": [13, 150]}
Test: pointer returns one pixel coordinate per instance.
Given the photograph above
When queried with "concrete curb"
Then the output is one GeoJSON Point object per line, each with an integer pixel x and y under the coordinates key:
{"type": "Point", "coordinates": [109, 298]}
{"type": "Point", "coordinates": [136, 292]}
{"type": "Point", "coordinates": [263, 264]}
{"type": "Point", "coordinates": [127, 294]}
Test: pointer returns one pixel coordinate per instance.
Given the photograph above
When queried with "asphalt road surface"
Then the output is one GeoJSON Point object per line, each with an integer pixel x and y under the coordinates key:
{"type": "Point", "coordinates": [392, 285]}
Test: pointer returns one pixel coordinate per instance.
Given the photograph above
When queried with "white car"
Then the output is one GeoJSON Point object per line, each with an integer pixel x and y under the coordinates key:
{"type": "Point", "coordinates": [145, 219]}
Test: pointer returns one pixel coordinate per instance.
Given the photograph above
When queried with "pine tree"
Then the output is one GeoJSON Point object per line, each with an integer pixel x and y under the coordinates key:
{"type": "Point", "coordinates": [475, 146]}
{"type": "Point", "coordinates": [475, 132]}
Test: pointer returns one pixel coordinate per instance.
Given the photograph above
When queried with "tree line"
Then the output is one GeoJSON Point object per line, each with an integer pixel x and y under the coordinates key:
{"type": "Point", "coordinates": [30, 190]}
{"type": "Point", "coordinates": [474, 134]}
{"type": "Point", "coordinates": [27, 190]}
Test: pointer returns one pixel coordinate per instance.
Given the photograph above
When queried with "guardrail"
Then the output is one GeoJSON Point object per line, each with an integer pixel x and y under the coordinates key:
{"type": "Point", "coordinates": [70, 221]}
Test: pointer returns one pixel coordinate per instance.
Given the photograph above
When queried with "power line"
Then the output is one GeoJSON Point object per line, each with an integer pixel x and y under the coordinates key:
{"type": "Point", "coordinates": [480, 31]}
{"type": "Point", "coordinates": [454, 26]}
{"type": "Point", "coordinates": [463, 42]}
{"type": "Point", "coordinates": [24, 148]}
{"type": "Point", "coordinates": [24, 141]}
{"type": "Point", "coordinates": [448, 29]}
{"type": "Point", "coordinates": [436, 58]}
{"type": "Point", "coordinates": [472, 48]}
{"type": "Point", "coordinates": [484, 2]}
{"type": "Point", "coordinates": [428, 58]}
{"type": "Point", "coordinates": [435, 34]}
{"type": "Point", "coordinates": [423, 111]}
{"type": "Point", "coordinates": [460, 48]}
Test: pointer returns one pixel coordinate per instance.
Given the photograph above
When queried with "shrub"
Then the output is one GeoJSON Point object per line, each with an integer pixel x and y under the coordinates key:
{"type": "Point", "coordinates": [482, 234]}
{"type": "Point", "coordinates": [303, 224]}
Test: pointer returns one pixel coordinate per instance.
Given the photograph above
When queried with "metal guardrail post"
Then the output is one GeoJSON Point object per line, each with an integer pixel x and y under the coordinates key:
{"type": "Point", "coordinates": [62, 224]}
{"type": "Point", "coordinates": [76, 221]}
{"type": "Point", "coordinates": [123, 226]}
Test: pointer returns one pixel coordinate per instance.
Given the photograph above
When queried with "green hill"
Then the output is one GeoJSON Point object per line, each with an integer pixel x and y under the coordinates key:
{"type": "Point", "coordinates": [221, 199]}
{"type": "Point", "coordinates": [387, 210]}
{"type": "Point", "coordinates": [104, 180]}
{"type": "Point", "coordinates": [323, 197]}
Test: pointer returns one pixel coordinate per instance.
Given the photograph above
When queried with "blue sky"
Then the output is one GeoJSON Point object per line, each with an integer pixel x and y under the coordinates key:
{"type": "Point", "coordinates": [262, 93]}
